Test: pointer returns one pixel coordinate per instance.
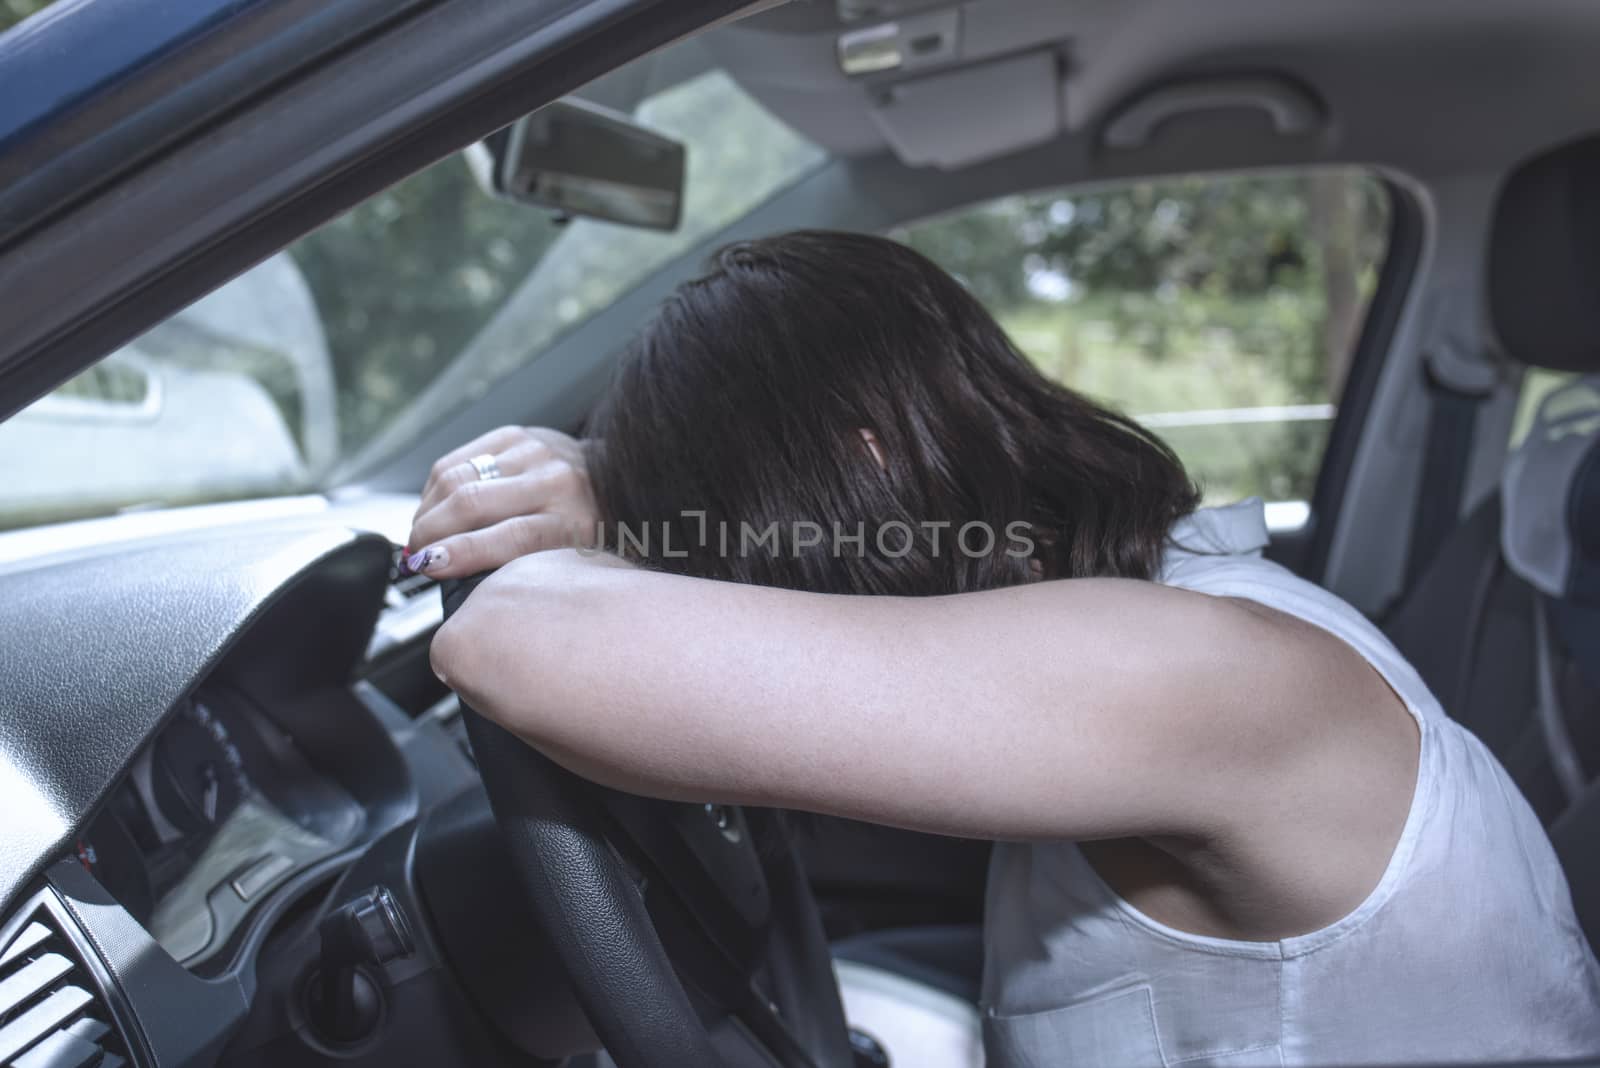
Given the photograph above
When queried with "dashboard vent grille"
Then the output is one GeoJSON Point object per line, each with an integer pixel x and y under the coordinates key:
{"type": "Point", "coordinates": [413, 585]}
{"type": "Point", "coordinates": [50, 1013]}
{"type": "Point", "coordinates": [407, 613]}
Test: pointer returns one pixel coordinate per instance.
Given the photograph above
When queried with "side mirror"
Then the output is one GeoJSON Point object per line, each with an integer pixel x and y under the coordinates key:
{"type": "Point", "coordinates": [578, 158]}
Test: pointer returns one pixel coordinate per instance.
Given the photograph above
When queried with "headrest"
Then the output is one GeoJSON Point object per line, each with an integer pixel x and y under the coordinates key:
{"type": "Point", "coordinates": [1550, 516]}
{"type": "Point", "coordinates": [1544, 260]}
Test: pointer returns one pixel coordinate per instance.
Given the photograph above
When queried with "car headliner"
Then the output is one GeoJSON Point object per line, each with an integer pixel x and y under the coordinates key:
{"type": "Point", "coordinates": [1423, 87]}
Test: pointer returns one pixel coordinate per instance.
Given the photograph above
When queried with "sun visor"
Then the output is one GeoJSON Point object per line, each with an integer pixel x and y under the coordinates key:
{"type": "Point", "coordinates": [956, 118]}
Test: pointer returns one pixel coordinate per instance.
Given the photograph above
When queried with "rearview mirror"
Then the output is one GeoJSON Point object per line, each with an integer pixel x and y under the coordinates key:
{"type": "Point", "coordinates": [578, 158]}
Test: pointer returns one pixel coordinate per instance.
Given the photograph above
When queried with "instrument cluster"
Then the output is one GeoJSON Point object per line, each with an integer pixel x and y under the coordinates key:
{"type": "Point", "coordinates": [217, 812]}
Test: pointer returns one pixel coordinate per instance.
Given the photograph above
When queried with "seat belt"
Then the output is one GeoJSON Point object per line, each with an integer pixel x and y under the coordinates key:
{"type": "Point", "coordinates": [1456, 387]}
{"type": "Point", "coordinates": [1564, 759]}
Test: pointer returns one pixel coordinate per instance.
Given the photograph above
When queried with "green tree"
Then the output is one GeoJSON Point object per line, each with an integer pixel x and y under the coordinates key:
{"type": "Point", "coordinates": [14, 11]}
{"type": "Point", "coordinates": [1237, 238]}
{"type": "Point", "coordinates": [404, 280]}
{"type": "Point", "coordinates": [1171, 295]}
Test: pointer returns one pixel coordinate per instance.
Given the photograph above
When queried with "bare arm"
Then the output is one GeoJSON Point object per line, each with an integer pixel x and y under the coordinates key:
{"type": "Point", "coordinates": [1078, 709]}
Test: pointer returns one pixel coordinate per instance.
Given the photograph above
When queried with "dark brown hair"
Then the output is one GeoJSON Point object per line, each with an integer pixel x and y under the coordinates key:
{"type": "Point", "coordinates": [744, 398]}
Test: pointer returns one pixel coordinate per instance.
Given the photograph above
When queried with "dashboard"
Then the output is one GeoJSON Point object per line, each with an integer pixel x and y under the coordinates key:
{"type": "Point", "coordinates": [230, 733]}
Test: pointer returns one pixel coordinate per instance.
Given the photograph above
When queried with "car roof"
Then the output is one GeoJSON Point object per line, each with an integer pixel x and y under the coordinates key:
{"type": "Point", "coordinates": [108, 41]}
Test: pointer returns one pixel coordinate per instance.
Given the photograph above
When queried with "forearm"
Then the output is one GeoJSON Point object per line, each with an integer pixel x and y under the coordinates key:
{"type": "Point", "coordinates": [673, 687]}
{"type": "Point", "coordinates": [1080, 697]}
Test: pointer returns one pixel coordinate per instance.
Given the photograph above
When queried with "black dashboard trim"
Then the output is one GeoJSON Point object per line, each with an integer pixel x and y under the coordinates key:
{"type": "Point", "coordinates": [180, 1018]}
{"type": "Point", "coordinates": [65, 922]}
{"type": "Point", "coordinates": [100, 647]}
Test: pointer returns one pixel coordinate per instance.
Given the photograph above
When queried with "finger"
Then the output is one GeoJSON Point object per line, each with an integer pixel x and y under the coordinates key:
{"type": "Point", "coordinates": [442, 485]}
{"type": "Point", "coordinates": [476, 505]}
{"type": "Point", "coordinates": [461, 479]}
{"type": "Point", "coordinates": [515, 449]}
{"type": "Point", "coordinates": [527, 455]}
{"type": "Point", "coordinates": [453, 469]}
{"type": "Point", "coordinates": [476, 551]}
{"type": "Point", "coordinates": [495, 441]}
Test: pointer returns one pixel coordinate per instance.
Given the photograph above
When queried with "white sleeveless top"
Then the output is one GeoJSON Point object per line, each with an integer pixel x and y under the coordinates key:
{"type": "Point", "coordinates": [1467, 949]}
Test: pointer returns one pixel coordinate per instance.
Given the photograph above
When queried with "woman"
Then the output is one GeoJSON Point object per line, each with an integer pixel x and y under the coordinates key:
{"type": "Point", "coordinates": [1235, 827]}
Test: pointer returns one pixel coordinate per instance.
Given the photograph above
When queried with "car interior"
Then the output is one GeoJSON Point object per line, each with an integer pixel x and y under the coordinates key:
{"type": "Point", "coordinates": [244, 824]}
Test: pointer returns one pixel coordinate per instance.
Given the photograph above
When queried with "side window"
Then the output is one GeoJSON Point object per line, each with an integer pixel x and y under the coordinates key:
{"type": "Point", "coordinates": [1221, 311]}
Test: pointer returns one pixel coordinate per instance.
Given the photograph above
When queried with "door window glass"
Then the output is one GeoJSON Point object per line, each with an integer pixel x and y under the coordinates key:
{"type": "Point", "coordinates": [1221, 311]}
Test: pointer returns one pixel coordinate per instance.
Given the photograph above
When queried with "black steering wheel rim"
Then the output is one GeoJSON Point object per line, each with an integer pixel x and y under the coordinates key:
{"type": "Point", "coordinates": [563, 848]}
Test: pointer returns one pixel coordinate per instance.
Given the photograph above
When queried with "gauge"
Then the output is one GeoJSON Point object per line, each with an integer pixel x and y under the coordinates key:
{"type": "Point", "coordinates": [199, 775]}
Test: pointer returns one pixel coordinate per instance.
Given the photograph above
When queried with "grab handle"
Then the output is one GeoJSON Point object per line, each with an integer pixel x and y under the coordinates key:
{"type": "Point", "coordinates": [1292, 110]}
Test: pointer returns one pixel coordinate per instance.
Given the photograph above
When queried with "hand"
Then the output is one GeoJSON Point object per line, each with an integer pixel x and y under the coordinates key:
{"type": "Point", "coordinates": [542, 500]}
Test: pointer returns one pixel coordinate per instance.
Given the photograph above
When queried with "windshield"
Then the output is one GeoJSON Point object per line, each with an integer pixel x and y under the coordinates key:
{"type": "Point", "coordinates": [354, 339]}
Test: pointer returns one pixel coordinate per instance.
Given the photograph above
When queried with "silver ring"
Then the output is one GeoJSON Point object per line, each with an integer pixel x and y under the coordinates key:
{"type": "Point", "coordinates": [486, 467]}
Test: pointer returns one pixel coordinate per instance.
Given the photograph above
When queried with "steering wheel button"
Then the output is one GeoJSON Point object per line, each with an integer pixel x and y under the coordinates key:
{"type": "Point", "coordinates": [260, 875]}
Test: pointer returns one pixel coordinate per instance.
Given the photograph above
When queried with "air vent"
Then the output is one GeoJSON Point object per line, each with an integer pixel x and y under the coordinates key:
{"type": "Point", "coordinates": [51, 1014]}
{"type": "Point", "coordinates": [411, 608]}
{"type": "Point", "coordinates": [411, 586]}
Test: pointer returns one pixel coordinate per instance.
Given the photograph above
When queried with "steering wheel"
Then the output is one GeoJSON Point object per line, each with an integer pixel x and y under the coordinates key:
{"type": "Point", "coordinates": [688, 931]}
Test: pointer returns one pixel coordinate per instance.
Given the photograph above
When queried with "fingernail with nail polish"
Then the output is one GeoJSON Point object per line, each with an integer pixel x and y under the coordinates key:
{"type": "Point", "coordinates": [428, 559]}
